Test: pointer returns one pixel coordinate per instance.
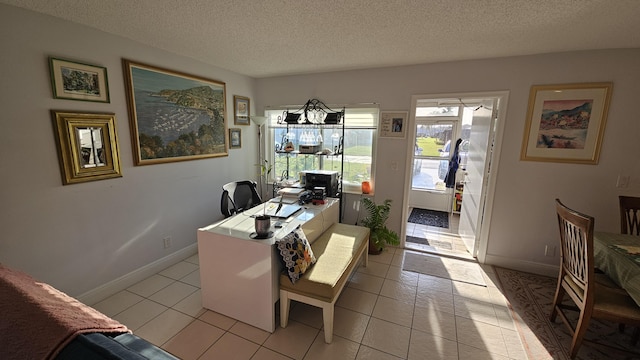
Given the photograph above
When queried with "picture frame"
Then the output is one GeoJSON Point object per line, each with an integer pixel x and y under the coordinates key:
{"type": "Point", "coordinates": [73, 80]}
{"type": "Point", "coordinates": [241, 110]}
{"type": "Point", "coordinates": [87, 146]}
{"type": "Point", "coordinates": [174, 116]}
{"type": "Point", "coordinates": [235, 138]}
{"type": "Point", "coordinates": [393, 124]}
{"type": "Point", "coordinates": [566, 122]}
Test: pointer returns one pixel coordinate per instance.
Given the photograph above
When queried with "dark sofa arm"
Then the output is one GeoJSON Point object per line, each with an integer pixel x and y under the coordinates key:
{"type": "Point", "coordinates": [99, 346]}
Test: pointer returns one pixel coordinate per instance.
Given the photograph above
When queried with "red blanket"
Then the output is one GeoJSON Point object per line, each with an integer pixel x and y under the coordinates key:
{"type": "Point", "coordinates": [37, 321]}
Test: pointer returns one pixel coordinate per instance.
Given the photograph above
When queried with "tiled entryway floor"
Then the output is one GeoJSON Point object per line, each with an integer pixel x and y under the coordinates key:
{"type": "Point", "coordinates": [442, 241]}
{"type": "Point", "coordinates": [384, 312]}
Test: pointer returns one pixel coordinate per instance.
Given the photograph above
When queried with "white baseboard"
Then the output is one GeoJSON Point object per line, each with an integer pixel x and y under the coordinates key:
{"type": "Point", "coordinates": [104, 291]}
{"type": "Point", "coordinates": [526, 266]}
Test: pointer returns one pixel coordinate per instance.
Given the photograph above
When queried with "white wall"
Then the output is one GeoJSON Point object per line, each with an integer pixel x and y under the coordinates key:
{"type": "Point", "coordinates": [523, 219]}
{"type": "Point", "coordinates": [78, 237]}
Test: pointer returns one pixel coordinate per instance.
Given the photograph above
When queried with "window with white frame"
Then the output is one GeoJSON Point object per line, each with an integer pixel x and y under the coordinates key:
{"type": "Point", "coordinates": [360, 130]}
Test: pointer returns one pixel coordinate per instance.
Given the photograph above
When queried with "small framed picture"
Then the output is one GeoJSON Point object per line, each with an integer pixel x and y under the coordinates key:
{"type": "Point", "coordinates": [393, 124]}
{"type": "Point", "coordinates": [241, 110]}
{"type": "Point", "coordinates": [235, 138]}
{"type": "Point", "coordinates": [76, 81]}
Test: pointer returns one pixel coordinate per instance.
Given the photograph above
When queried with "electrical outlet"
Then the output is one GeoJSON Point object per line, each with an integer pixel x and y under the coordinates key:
{"type": "Point", "coordinates": [167, 242]}
{"type": "Point", "coordinates": [549, 251]}
{"type": "Point", "coordinates": [623, 181]}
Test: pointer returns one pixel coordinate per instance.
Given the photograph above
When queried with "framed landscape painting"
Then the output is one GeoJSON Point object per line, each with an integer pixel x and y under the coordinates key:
{"type": "Point", "coordinates": [76, 81]}
{"type": "Point", "coordinates": [565, 123]}
{"type": "Point", "coordinates": [174, 116]}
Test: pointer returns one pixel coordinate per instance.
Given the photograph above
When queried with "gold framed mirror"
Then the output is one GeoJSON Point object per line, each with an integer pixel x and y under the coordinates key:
{"type": "Point", "coordinates": [87, 146]}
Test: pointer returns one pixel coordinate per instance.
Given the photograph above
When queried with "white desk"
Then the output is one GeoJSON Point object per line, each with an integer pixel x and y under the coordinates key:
{"type": "Point", "coordinates": [238, 275]}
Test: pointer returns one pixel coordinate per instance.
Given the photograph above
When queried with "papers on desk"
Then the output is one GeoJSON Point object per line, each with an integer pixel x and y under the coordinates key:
{"type": "Point", "coordinates": [284, 212]}
{"type": "Point", "coordinates": [629, 250]}
{"type": "Point", "coordinates": [285, 200]}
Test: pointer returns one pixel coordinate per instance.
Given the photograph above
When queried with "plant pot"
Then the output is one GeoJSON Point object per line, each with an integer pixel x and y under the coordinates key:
{"type": "Point", "coordinates": [263, 225]}
{"type": "Point", "coordinates": [373, 249]}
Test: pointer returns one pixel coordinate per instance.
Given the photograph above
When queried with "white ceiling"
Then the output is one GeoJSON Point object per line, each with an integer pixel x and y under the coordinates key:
{"type": "Point", "coordinates": [281, 37]}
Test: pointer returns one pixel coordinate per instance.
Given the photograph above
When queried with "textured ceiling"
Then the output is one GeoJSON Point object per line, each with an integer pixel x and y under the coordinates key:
{"type": "Point", "coordinates": [280, 37]}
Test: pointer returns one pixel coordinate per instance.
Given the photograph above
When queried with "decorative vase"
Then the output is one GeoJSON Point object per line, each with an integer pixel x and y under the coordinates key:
{"type": "Point", "coordinates": [366, 187]}
{"type": "Point", "coordinates": [263, 225]}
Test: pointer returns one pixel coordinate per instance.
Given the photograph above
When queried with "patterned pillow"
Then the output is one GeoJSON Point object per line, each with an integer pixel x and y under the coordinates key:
{"type": "Point", "coordinates": [296, 253]}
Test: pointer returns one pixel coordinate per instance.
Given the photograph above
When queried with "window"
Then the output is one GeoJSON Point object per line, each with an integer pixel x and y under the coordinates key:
{"type": "Point", "coordinates": [437, 129]}
{"type": "Point", "coordinates": [360, 129]}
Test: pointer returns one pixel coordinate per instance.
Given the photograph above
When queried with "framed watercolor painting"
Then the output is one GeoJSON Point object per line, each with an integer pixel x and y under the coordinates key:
{"type": "Point", "coordinates": [241, 110]}
{"type": "Point", "coordinates": [87, 146]}
{"type": "Point", "coordinates": [235, 138]}
{"type": "Point", "coordinates": [174, 116]}
{"type": "Point", "coordinates": [393, 124]}
{"type": "Point", "coordinates": [565, 123]}
{"type": "Point", "coordinates": [76, 81]}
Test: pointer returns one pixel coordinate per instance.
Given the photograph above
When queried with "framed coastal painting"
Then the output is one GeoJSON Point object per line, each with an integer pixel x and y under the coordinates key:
{"type": "Point", "coordinates": [174, 116]}
{"type": "Point", "coordinates": [87, 146]}
{"type": "Point", "coordinates": [235, 138]}
{"type": "Point", "coordinates": [241, 110]}
{"type": "Point", "coordinates": [565, 123]}
{"type": "Point", "coordinates": [393, 124]}
{"type": "Point", "coordinates": [77, 81]}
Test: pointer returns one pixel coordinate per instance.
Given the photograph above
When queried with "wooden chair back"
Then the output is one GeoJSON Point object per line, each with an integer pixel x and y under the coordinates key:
{"type": "Point", "coordinates": [576, 253]}
{"type": "Point", "coordinates": [629, 215]}
{"type": "Point", "coordinates": [577, 279]}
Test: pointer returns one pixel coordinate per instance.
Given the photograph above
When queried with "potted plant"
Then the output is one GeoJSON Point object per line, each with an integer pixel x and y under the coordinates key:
{"type": "Point", "coordinates": [263, 222]}
{"type": "Point", "coordinates": [375, 220]}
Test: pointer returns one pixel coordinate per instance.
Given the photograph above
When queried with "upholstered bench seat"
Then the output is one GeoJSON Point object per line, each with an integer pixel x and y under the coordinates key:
{"type": "Point", "coordinates": [338, 251]}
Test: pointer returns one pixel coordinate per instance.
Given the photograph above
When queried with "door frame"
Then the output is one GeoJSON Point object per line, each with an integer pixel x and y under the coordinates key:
{"type": "Point", "coordinates": [502, 98]}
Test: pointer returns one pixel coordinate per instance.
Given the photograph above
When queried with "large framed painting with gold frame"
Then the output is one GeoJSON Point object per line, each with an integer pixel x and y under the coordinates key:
{"type": "Point", "coordinates": [174, 116]}
{"type": "Point", "coordinates": [87, 146]}
{"type": "Point", "coordinates": [565, 123]}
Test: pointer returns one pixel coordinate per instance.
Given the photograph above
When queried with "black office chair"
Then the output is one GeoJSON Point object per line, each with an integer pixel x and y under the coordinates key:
{"type": "Point", "coordinates": [238, 196]}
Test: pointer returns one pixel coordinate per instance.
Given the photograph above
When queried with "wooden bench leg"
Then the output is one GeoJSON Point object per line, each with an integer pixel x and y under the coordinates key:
{"type": "Point", "coordinates": [366, 255]}
{"type": "Point", "coordinates": [285, 302]}
{"type": "Point", "coordinates": [327, 318]}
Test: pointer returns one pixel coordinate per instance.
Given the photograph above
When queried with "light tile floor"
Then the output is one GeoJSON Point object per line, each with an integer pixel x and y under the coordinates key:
{"type": "Point", "coordinates": [452, 244]}
{"type": "Point", "coordinates": [383, 313]}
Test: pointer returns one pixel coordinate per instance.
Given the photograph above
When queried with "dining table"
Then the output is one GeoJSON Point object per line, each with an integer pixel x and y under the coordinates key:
{"type": "Point", "coordinates": [618, 256]}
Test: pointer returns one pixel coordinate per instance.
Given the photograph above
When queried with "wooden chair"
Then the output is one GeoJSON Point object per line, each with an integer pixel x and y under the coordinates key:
{"type": "Point", "coordinates": [630, 224]}
{"type": "Point", "coordinates": [629, 215]}
{"type": "Point", "coordinates": [577, 279]}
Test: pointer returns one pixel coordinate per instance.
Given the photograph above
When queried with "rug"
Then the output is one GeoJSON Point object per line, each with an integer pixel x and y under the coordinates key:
{"type": "Point", "coordinates": [448, 268]}
{"type": "Point", "coordinates": [435, 243]}
{"type": "Point", "coordinates": [429, 217]}
{"type": "Point", "coordinates": [530, 297]}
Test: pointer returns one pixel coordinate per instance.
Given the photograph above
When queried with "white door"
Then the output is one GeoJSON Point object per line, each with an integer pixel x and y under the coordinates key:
{"type": "Point", "coordinates": [480, 148]}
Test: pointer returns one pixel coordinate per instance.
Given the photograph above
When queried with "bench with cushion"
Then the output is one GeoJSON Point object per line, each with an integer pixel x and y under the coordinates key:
{"type": "Point", "coordinates": [337, 252]}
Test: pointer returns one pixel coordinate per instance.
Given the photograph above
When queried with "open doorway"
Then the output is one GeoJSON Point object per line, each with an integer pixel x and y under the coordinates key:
{"type": "Point", "coordinates": [436, 219]}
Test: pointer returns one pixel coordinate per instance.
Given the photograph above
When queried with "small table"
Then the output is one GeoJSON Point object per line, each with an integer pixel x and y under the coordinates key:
{"type": "Point", "coordinates": [614, 255]}
{"type": "Point", "coordinates": [239, 275]}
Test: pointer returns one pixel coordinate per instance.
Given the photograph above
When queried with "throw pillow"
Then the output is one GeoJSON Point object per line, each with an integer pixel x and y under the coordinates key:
{"type": "Point", "coordinates": [296, 253]}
